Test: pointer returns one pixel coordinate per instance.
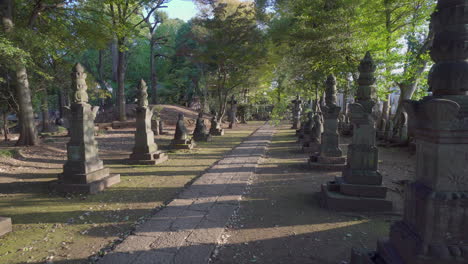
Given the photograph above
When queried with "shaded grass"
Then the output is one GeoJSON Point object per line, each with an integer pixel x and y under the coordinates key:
{"type": "Point", "coordinates": [280, 220]}
{"type": "Point", "coordinates": [8, 153]}
{"type": "Point", "coordinates": [75, 227]}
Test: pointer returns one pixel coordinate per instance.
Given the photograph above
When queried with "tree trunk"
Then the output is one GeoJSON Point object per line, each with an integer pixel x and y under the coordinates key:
{"type": "Point", "coordinates": [28, 135]}
{"type": "Point", "coordinates": [121, 84]}
{"type": "Point", "coordinates": [345, 99]}
{"type": "Point", "coordinates": [407, 91]}
{"type": "Point", "coordinates": [154, 81]}
{"type": "Point", "coordinates": [115, 59]}
{"type": "Point", "coordinates": [5, 125]}
{"type": "Point", "coordinates": [45, 114]}
{"type": "Point", "coordinates": [61, 103]}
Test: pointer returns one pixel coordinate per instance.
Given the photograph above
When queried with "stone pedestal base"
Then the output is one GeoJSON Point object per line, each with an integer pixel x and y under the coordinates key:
{"type": "Point", "coordinates": [154, 158]}
{"type": "Point", "coordinates": [88, 188]}
{"type": "Point", "coordinates": [327, 163]}
{"type": "Point", "coordinates": [5, 226]}
{"type": "Point", "coordinates": [182, 144]}
{"type": "Point", "coordinates": [203, 138]}
{"type": "Point", "coordinates": [217, 132]}
{"type": "Point", "coordinates": [387, 254]}
{"type": "Point", "coordinates": [311, 148]}
{"type": "Point", "coordinates": [304, 139]}
{"type": "Point", "coordinates": [341, 196]}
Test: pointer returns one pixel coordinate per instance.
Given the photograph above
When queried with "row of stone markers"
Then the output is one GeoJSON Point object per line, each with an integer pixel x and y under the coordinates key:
{"type": "Point", "coordinates": [84, 171]}
{"type": "Point", "coordinates": [434, 226]}
{"type": "Point", "coordinates": [360, 185]}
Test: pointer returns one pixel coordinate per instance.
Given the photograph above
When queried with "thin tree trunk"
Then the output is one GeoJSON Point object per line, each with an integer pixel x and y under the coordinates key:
{"type": "Point", "coordinates": [115, 59]}
{"type": "Point", "coordinates": [154, 81]}
{"type": "Point", "coordinates": [5, 125]}
{"type": "Point", "coordinates": [121, 84]}
{"type": "Point", "coordinates": [45, 113]}
{"type": "Point", "coordinates": [406, 93]}
{"type": "Point", "coordinates": [61, 103]}
{"type": "Point", "coordinates": [345, 99]}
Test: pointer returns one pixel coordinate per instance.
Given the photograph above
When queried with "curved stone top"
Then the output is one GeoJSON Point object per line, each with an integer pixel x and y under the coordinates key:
{"type": "Point", "coordinates": [142, 93]}
{"type": "Point", "coordinates": [79, 85]}
{"type": "Point", "coordinates": [366, 79]}
{"type": "Point", "coordinates": [449, 76]}
{"type": "Point", "coordinates": [330, 98]}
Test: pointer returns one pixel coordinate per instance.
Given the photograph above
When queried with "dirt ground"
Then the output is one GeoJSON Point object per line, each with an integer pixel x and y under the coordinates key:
{"type": "Point", "coordinates": [280, 221]}
{"type": "Point", "coordinates": [50, 228]}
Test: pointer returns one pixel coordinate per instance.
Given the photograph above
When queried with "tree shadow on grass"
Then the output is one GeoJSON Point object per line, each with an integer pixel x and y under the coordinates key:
{"type": "Point", "coordinates": [306, 247]}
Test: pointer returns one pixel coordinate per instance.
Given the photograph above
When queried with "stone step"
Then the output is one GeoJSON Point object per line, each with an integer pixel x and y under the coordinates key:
{"type": "Point", "coordinates": [5, 225]}
{"type": "Point", "coordinates": [340, 202]}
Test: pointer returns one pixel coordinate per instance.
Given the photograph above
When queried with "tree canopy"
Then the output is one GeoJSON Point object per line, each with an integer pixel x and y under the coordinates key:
{"type": "Point", "coordinates": [265, 51]}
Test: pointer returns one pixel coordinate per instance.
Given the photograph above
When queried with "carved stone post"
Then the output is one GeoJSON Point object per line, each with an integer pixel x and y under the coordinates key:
{"type": "Point", "coordinates": [331, 156]}
{"type": "Point", "coordinates": [216, 129]}
{"type": "Point", "coordinates": [360, 187]}
{"type": "Point", "coordinates": [434, 226]}
{"type": "Point", "coordinates": [145, 151]}
{"type": "Point", "coordinates": [296, 112]}
{"type": "Point", "coordinates": [181, 138]}
{"type": "Point", "coordinates": [201, 133]}
{"type": "Point", "coordinates": [83, 172]}
{"type": "Point", "coordinates": [232, 112]}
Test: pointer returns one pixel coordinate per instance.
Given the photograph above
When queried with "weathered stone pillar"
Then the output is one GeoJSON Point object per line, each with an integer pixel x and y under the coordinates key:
{"type": "Point", "coordinates": [434, 226]}
{"type": "Point", "coordinates": [307, 127]}
{"type": "Point", "coordinates": [83, 172]}
{"type": "Point", "coordinates": [5, 225]}
{"type": "Point", "coordinates": [315, 138]}
{"type": "Point", "coordinates": [145, 151]}
{"type": "Point", "coordinates": [331, 156]}
{"type": "Point", "coordinates": [296, 112]}
{"type": "Point", "coordinates": [181, 138]}
{"type": "Point", "coordinates": [216, 129]}
{"type": "Point", "coordinates": [360, 187]}
{"type": "Point", "coordinates": [200, 133]}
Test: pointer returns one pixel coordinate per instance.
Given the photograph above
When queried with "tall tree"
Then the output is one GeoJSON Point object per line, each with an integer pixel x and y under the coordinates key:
{"type": "Point", "coordinates": [231, 48]}
{"type": "Point", "coordinates": [125, 25]}
{"type": "Point", "coordinates": [28, 134]}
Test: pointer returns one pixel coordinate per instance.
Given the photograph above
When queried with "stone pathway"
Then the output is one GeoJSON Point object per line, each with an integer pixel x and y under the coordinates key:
{"type": "Point", "coordinates": [188, 229]}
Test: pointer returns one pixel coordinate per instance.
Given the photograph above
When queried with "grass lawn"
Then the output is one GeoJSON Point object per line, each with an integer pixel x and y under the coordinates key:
{"type": "Point", "coordinates": [49, 227]}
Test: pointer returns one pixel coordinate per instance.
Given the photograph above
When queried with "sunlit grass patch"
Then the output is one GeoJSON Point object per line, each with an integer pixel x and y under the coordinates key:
{"type": "Point", "coordinates": [77, 226]}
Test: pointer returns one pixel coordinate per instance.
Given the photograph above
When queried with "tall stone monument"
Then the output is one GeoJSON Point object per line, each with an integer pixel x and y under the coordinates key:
{"type": "Point", "coordinates": [181, 138]}
{"type": "Point", "coordinates": [296, 112]}
{"type": "Point", "coordinates": [145, 151]}
{"type": "Point", "coordinates": [360, 187]}
{"type": "Point", "coordinates": [433, 229]}
{"type": "Point", "coordinates": [331, 156]}
{"type": "Point", "coordinates": [83, 172]}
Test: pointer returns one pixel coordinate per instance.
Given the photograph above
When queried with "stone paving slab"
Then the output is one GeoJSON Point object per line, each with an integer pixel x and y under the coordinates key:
{"type": "Point", "coordinates": [188, 228]}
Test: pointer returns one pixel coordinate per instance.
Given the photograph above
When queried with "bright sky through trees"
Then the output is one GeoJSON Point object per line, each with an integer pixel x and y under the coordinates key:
{"type": "Point", "coordinates": [183, 9]}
